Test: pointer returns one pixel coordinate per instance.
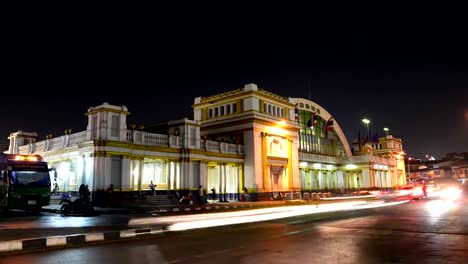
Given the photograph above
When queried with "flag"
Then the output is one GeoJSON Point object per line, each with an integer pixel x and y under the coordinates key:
{"type": "Point", "coordinates": [328, 126]}
{"type": "Point", "coordinates": [296, 113]}
{"type": "Point", "coordinates": [312, 122]}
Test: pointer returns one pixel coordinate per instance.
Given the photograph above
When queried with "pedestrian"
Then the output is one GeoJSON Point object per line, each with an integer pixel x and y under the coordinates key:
{"type": "Point", "coordinates": [109, 194]}
{"type": "Point", "coordinates": [245, 195]}
{"type": "Point", "coordinates": [201, 195]}
{"type": "Point", "coordinates": [56, 188]}
{"type": "Point", "coordinates": [424, 189]}
{"type": "Point", "coordinates": [152, 188]}
{"type": "Point", "coordinates": [82, 190]}
{"type": "Point", "coordinates": [213, 192]}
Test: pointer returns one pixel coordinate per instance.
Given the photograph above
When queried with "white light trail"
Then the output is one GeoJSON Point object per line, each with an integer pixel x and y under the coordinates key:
{"type": "Point", "coordinates": [186, 222]}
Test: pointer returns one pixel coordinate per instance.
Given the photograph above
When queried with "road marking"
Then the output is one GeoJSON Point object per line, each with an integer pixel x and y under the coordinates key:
{"type": "Point", "coordinates": [56, 241]}
{"type": "Point", "coordinates": [13, 245]}
{"type": "Point", "coordinates": [94, 237]}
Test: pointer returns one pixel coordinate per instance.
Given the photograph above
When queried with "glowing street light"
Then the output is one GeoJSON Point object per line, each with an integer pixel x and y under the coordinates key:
{"type": "Point", "coordinates": [366, 123]}
{"type": "Point", "coordinates": [386, 129]}
{"type": "Point", "coordinates": [409, 172]}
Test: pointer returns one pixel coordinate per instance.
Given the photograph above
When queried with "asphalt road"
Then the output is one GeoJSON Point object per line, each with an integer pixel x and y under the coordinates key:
{"type": "Point", "coordinates": [424, 231]}
{"type": "Point", "coordinates": [20, 224]}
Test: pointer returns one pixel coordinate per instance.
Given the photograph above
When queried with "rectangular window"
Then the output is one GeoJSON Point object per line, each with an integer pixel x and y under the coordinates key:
{"type": "Point", "coordinates": [265, 107]}
{"type": "Point", "coordinates": [221, 110]}
{"type": "Point", "coordinates": [234, 108]}
{"type": "Point", "coordinates": [115, 126]}
{"type": "Point", "coordinates": [95, 128]}
{"type": "Point", "coordinates": [228, 109]}
{"type": "Point", "coordinates": [210, 113]}
{"type": "Point", "coordinates": [216, 111]}
{"type": "Point", "coordinates": [193, 139]}
{"type": "Point", "coordinates": [282, 112]}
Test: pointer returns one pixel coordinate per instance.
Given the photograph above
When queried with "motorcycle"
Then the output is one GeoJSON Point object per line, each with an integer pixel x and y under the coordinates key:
{"type": "Point", "coordinates": [81, 206]}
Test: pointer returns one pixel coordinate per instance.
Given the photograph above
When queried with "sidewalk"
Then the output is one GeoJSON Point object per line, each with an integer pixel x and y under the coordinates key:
{"type": "Point", "coordinates": [24, 240]}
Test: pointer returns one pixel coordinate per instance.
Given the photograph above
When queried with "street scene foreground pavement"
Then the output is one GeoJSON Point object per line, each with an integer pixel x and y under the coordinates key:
{"type": "Point", "coordinates": [15, 231]}
{"type": "Point", "coordinates": [419, 231]}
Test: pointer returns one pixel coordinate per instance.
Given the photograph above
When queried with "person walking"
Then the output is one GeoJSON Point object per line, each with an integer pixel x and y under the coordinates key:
{"type": "Point", "coordinates": [201, 195]}
{"type": "Point", "coordinates": [109, 195]}
{"type": "Point", "coordinates": [152, 188]}
{"type": "Point", "coordinates": [424, 189]}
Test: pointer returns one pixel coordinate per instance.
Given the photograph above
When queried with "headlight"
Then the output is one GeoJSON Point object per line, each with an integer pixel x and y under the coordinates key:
{"type": "Point", "coordinates": [451, 193]}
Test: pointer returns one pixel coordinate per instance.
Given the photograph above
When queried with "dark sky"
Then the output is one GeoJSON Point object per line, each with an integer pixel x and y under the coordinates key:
{"type": "Point", "coordinates": [404, 67]}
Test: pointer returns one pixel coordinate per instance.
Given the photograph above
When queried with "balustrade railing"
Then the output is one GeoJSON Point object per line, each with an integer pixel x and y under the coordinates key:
{"type": "Point", "coordinates": [77, 138]}
{"type": "Point", "coordinates": [136, 137]}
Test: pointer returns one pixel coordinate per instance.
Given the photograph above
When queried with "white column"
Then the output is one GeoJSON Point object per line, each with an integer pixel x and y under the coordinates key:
{"type": "Point", "coordinates": [225, 181]}
{"type": "Point", "coordinates": [189, 175]}
{"type": "Point", "coordinates": [140, 172]}
{"type": "Point", "coordinates": [237, 175]}
{"type": "Point", "coordinates": [320, 179]}
{"type": "Point", "coordinates": [168, 174]}
{"type": "Point", "coordinates": [98, 168]}
{"type": "Point", "coordinates": [203, 175]}
{"type": "Point", "coordinates": [126, 174]}
{"type": "Point", "coordinates": [177, 175]}
{"type": "Point", "coordinates": [107, 180]}
{"type": "Point", "coordinates": [389, 180]}
{"type": "Point", "coordinates": [220, 180]}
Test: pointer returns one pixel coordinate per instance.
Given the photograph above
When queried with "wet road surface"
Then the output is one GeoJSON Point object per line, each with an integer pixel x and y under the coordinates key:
{"type": "Point", "coordinates": [20, 224]}
{"type": "Point", "coordinates": [424, 231]}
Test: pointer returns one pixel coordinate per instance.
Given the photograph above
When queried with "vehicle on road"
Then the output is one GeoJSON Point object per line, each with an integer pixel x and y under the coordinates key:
{"type": "Point", "coordinates": [406, 192]}
{"type": "Point", "coordinates": [24, 182]}
{"type": "Point", "coordinates": [80, 206]}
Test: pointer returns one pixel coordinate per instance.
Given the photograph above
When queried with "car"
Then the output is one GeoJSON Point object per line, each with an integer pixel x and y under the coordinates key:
{"type": "Point", "coordinates": [406, 192]}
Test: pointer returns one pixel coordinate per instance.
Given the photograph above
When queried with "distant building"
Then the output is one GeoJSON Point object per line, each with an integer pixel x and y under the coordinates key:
{"type": "Point", "coordinates": [452, 166]}
{"type": "Point", "coordinates": [247, 137]}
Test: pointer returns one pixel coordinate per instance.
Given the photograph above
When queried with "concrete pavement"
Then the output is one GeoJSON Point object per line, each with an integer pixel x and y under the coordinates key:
{"type": "Point", "coordinates": [23, 240]}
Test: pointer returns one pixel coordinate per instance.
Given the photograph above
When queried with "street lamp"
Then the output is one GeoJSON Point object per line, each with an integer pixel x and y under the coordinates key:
{"type": "Point", "coordinates": [409, 172]}
{"type": "Point", "coordinates": [366, 123]}
{"type": "Point", "coordinates": [385, 129]}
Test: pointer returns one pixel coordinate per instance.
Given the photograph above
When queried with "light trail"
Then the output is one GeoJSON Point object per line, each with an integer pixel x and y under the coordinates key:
{"type": "Point", "coordinates": [186, 222]}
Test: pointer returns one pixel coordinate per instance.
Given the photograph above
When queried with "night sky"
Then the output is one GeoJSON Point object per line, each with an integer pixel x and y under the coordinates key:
{"type": "Point", "coordinates": [403, 67]}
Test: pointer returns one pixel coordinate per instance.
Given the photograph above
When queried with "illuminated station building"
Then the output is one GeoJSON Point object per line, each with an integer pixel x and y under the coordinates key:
{"type": "Point", "coordinates": [247, 137]}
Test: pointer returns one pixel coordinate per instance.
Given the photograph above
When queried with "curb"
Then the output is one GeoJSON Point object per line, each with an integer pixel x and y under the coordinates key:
{"type": "Point", "coordinates": [23, 245]}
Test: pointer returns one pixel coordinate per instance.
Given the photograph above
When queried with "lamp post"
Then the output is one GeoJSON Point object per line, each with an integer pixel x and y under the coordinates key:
{"type": "Point", "coordinates": [366, 124]}
{"type": "Point", "coordinates": [409, 172]}
{"type": "Point", "coordinates": [386, 129]}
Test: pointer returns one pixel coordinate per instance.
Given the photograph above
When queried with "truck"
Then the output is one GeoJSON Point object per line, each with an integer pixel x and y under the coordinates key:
{"type": "Point", "coordinates": [24, 182]}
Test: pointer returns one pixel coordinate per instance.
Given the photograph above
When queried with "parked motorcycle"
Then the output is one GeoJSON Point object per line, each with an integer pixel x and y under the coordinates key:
{"type": "Point", "coordinates": [81, 206]}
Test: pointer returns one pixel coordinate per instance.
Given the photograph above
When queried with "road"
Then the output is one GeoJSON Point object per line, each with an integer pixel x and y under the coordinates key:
{"type": "Point", "coordinates": [15, 224]}
{"type": "Point", "coordinates": [423, 231]}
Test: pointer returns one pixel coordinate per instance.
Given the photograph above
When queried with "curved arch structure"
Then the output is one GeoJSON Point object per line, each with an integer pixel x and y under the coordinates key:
{"type": "Point", "coordinates": [325, 115]}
